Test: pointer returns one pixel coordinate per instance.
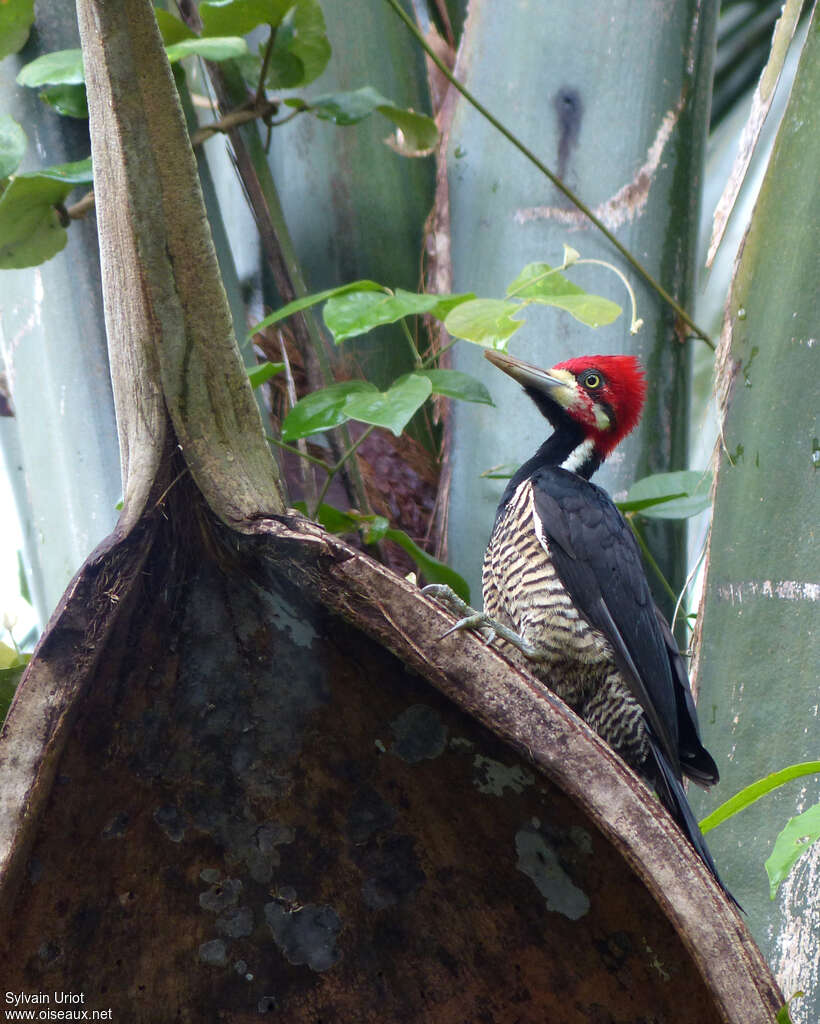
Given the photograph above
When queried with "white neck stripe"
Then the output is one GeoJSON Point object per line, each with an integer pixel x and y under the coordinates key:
{"type": "Point", "coordinates": [579, 456]}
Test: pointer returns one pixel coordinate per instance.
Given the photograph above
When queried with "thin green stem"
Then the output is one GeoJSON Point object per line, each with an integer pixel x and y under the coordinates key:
{"type": "Point", "coordinates": [260, 88]}
{"type": "Point", "coordinates": [647, 554]}
{"type": "Point", "coordinates": [434, 357]}
{"type": "Point", "coordinates": [417, 362]}
{"type": "Point", "coordinates": [334, 469]}
{"type": "Point", "coordinates": [556, 181]}
{"type": "Point", "coordinates": [326, 466]}
{"type": "Point", "coordinates": [637, 323]}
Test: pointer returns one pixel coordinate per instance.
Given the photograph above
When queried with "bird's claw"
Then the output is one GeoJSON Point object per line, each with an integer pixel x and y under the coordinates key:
{"type": "Point", "coordinates": [477, 621]}
{"type": "Point", "coordinates": [469, 617]}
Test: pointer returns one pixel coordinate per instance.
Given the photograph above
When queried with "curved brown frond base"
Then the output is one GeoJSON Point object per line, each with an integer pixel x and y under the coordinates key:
{"type": "Point", "coordinates": [260, 809]}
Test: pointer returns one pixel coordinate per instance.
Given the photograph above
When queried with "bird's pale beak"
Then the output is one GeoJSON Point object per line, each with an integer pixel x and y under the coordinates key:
{"type": "Point", "coordinates": [558, 385]}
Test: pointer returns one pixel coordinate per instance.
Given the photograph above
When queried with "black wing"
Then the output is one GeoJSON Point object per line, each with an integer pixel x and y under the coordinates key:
{"type": "Point", "coordinates": [598, 560]}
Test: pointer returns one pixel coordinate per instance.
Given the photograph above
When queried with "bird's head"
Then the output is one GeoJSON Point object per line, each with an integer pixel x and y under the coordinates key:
{"type": "Point", "coordinates": [600, 397]}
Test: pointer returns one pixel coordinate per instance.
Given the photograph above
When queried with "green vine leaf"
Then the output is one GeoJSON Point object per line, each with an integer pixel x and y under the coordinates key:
{"type": "Point", "coordinates": [393, 408]}
{"type": "Point", "coordinates": [301, 49]}
{"type": "Point", "coordinates": [797, 837]}
{"type": "Point", "coordinates": [455, 384]}
{"type": "Point", "coordinates": [312, 300]}
{"type": "Point", "coordinates": [63, 67]}
{"type": "Point", "coordinates": [322, 409]}
{"type": "Point", "coordinates": [173, 30]}
{"type": "Point", "coordinates": [16, 19]}
{"type": "Point", "coordinates": [216, 48]}
{"type": "Point", "coordinates": [539, 282]}
{"type": "Point", "coordinates": [239, 17]}
{"type": "Point", "coordinates": [67, 100]}
{"type": "Point", "coordinates": [258, 375]}
{"type": "Point", "coordinates": [355, 312]}
{"type": "Point", "coordinates": [30, 227]}
{"type": "Point", "coordinates": [13, 144]}
{"type": "Point", "coordinates": [419, 134]}
{"type": "Point", "coordinates": [486, 322]}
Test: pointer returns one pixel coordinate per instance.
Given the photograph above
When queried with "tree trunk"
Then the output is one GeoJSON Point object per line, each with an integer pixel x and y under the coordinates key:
{"type": "Point", "coordinates": [759, 649]}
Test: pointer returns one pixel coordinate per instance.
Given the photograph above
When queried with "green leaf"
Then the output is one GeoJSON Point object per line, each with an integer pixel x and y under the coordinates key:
{"type": "Point", "coordinates": [541, 283]}
{"type": "Point", "coordinates": [30, 228]}
{"type": "Point", "coordinates": [455, 384]}
{"type": "Point", "coordinates": [238, 17]}
{"type": "Point", "coordinates": [393, 408]}
{"type": "Point", "coordinates": [9, 680]}
{"type": "Point", "coordinates": [9, 657]}
{"type": "Point", "coordinates": [16, 19]}
{"type": "Point", "coordinates": [257, 375]}
{"type": "Point", "coordinates": [63, 67]}
{"type": "Point", "coordinates": [322, 409]}
{"type": "Point", "coordinates": [12, 145]}
{"type": "Point", "coordinates": [433, 570]}
{"type": "Point", "coordinates": [486, 322]}
{"type": "Point", "coordinates": [301, 49]}
{"type": "Point", "coordinates": [416, 134]}
{"type": "Point", "coordinates": [783, 1016]}
{"type": "Point", "coordinates": [749, 794]}
{"type": "Point", "coordinates": [312, 300]}
{"type": "Point", "coordinates": [213, 48]}
{"type": "Point", "coordinates": [797, 838]}
{"type": "Point", "coordinates": [676, 495]}
{"type": "Point", "coordinates": [331, 518]}
{"type": "Point", "coordinates": [67, 100]}
{"type": "Point", "coordinates": [352, 313]}
{"type": "Point", "coordinates": [173, 30]}
{"type": "Point", "coordinates": [12, 666]}
{"type": "Point", "coordinates": [79, 172]}
{"type": "Point", "coordinates": [419, 134]}
{"type": "Point", "coordinates": [376, 528]}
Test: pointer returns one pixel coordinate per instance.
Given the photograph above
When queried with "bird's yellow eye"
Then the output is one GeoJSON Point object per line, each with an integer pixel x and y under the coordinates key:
{"type": "Point", "coordinates": [592, 380]}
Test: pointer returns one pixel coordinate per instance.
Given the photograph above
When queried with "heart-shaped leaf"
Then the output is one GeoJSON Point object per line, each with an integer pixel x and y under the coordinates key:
{"type": "Point", "coordinates": [486, 322]}
{"type": "Point", "coordinates": [238, 17]}
{"type": "Point", "coordinates": [419, 134]}
{"type": "Point", "coordinates": [393, 408]}
{"type": "Point", "coordinates": [323, 409]}
{"type": "Point", "coordinates": [352, 313]}
{"type": "Point", "coordinates": [541, 283]}
{"type": "Point", "coordinates": [455, 384]}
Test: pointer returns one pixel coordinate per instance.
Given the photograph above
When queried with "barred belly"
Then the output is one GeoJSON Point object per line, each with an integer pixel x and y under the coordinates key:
{"type": "Point", "coordinates": [522, 590]}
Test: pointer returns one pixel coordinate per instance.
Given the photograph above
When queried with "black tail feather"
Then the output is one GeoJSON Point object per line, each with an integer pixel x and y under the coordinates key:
{"type": "Point", "coordinates": [672, 794]}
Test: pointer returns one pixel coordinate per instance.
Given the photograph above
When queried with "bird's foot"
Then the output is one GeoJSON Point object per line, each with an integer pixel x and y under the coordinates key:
{"type": "Point", "coordinates": [490, 629]}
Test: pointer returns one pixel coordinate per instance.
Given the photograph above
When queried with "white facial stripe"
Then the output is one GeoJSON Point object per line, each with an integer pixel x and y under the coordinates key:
{"type": "Point", "coordinates": [578, 456]}
{"type": "Point", "coordinates": [601, 418]}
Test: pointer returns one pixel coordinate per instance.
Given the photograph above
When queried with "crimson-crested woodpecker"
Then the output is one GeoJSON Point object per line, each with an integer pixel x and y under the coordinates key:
{"type": "Point", "coordinates": [563, 571]}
